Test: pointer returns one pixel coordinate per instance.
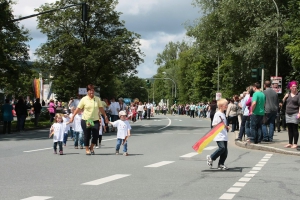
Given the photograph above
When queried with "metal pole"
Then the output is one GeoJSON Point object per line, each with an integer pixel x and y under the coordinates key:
{"type": "Point", "coordinates": [277, 33]}
{"type": "Point", "coordinates": [262, 78]}
{"type": "Point", "coordinates": [218, 72]}
{"type": "Point", "coordinates": [153, 93]}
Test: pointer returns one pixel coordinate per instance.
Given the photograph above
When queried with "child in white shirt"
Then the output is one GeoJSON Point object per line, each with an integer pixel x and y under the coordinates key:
{"type": "Point", "coordinates": [78, 132]}
{"type": "Point", "coordinates": [123, 132]}
{"type": "Point", "coordinates": [57, 130]}
{"type": "Point", "coordinates": [66, 120]}
{"type": "Point", "coordinates": [221, 138]}
{"type": "Point", "coordinates": [102, 129]}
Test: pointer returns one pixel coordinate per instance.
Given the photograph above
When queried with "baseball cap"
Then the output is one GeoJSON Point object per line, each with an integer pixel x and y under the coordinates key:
{"type": "Point", "coordinates": [122, 112]}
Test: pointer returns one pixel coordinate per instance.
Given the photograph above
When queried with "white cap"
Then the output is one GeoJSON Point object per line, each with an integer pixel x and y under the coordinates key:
{"type": "Point", "coordinates": [122, 112]}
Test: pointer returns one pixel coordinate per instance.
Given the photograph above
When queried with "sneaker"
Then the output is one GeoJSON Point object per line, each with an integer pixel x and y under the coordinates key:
{"type": "Point", "coordinates": [97, 147]}
{"type": "Point", "coordinates": [125, 154]}
{"type": "Point", "coordinates": [81, 147]}
{"type": "Point", "coordinates": [222, 167]}
{"type": "Point", "coordinates": [61, 153]}
{"type": "Point", "coordinates": [55, 152]}
{"type": "Point", "coordinates": [209, 161]}
{"type": "Point", "coordinates": [117, 152]}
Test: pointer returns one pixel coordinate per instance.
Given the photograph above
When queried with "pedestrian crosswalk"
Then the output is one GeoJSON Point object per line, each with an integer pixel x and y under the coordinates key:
{"type": "Point", "coordinates": [159, 164]}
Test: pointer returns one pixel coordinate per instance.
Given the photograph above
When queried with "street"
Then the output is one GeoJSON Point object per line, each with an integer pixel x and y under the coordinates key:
{"type": "Point", "coordinates": [161, 165]}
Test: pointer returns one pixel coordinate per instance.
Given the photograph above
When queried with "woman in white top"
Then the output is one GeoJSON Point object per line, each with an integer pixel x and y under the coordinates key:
{"type": "Point", "coordinates": [140, 110]}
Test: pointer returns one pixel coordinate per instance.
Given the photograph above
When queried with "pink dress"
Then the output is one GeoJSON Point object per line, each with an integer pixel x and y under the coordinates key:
{"type": "Point", "coordinates": [248, 104]}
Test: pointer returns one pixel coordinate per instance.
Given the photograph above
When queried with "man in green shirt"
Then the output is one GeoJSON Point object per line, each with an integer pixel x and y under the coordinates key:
{"type": "Point", "coordinates": [256, 113]}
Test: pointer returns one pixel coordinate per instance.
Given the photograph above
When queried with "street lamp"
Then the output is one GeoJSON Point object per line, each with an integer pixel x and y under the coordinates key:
{"type": "Point", "coordinates": [277, 33]}
{"type": "Point", "coordinates": [147, 92]}
{"type": "Point", "coordinates": [165, 73]}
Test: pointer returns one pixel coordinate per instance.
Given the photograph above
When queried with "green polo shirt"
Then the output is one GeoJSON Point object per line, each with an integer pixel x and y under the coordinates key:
{"type": "Point", "coordinates": [260, 99]}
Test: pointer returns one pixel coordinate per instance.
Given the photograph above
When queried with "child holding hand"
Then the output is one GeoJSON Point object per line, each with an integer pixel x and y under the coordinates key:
{"type": "Point", "coordinates": [57, 131]}
{"type": "Point", "coordinates": [123, 132]}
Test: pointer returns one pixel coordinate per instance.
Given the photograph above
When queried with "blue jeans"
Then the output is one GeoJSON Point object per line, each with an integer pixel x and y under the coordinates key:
{"type": "Point", "coordinates": [268, 135]}
{"type": "Point", "coordinates": [247, 128]}
{"type": "Point", "coordinates": [81, 139]}
{"type": "Point", "coordinates": [71, 132]}
{"type": "Point", "coordinates": [222, 152]}
{"type": "Point", "coordinates": [119, 142]}
{"type": "Point", "coordinates": [243, 127]}
{"type": "Point", "coordinates": [59, 145]}
{"type": "Point", "coordinates": [78, 137]}
{"type": "Point", "coordinates": [65, 138]}
{"type": "Point", "coordinates": [255, 125]}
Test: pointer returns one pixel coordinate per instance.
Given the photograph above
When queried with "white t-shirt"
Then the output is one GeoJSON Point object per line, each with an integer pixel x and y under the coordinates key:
{"type": "Point", "coordinates": [59, 129]}
{"type": "Point", "coordinates": [66, 120]}
{"type": "Point", "coordinates": [140, 108]}
{"type": "Point", "coordinates": [101, 126]}
{"type": "Point", "coordinates": [222, 136]}
{"type": "Point", "coordinates": [113, 108]}
{"type": "Point", "coordinates": [123, 127]}
{"type": "Point", "coordinates": [77, 123]}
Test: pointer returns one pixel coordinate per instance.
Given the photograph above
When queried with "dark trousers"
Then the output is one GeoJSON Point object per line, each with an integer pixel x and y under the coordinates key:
{"type": "Point", "coordinates": [293, 133]}
{"type": "Point", "coordinates": [222, 152]}
{"type": "Point", "coordinates": [6, 124]}
{"type": "Point", "coordinates": [242, 128]}
{"type": "Point", "coordinates": [256, 128]}
{"type": "Point", "coordinates": [234, 122]}
{"type": "Point", "coordinates": [90, 132]}
{"type": "Point", "coordinates": [52, 115]}
{"type": "Point", "coordinates": [192, 113]}
{"type": "Point", "coordinates": [36, 118]}
{"type": "Point", "coordinates": [21, 122]}
{"type": "Point", "coordinates": [148, 113]}
{"type": "Point", "coordinates": [59, 146]}
{"type": "Point", "coordinates": [100, 140]}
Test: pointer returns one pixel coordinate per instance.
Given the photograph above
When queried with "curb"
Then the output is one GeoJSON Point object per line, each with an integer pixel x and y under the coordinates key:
{"type": "Point", "coordinates": [266, 148]}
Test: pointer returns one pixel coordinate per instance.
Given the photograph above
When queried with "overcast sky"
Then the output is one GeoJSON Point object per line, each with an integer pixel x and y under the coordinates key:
{"type": "Point", "coordinates": [157, 21]}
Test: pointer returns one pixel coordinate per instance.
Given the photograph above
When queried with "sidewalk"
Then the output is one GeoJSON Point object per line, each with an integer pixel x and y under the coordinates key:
{"type": "Point", "coordinates": [280, 139]}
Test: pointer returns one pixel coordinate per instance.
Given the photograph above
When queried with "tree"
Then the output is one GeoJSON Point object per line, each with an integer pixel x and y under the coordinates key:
{"type": "Point", "coordinates": [13, 50]}
{"type": "Point", "coordinates": [78, 53]}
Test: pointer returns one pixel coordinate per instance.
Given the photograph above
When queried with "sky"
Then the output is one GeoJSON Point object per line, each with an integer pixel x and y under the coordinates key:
{"type": "Point", "coordinates": [157, 21]}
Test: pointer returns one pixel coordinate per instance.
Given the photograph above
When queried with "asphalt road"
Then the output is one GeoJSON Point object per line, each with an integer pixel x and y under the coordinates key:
{"type": "Point", "coordinates": [161, 165]}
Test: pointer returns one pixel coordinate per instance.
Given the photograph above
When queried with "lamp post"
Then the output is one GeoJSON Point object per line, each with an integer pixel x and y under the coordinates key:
{"type": "Point", "coordinates": [173, 82]}
{"type": "Point", "coordinates": [277, 33]}
{"type": "Point", "coordinates": [147, 92]}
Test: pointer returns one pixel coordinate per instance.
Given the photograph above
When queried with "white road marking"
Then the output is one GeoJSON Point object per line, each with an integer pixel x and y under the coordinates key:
{"type": "Point", "coordinates": [109, 139]}
{"type": "Point", "coordinates": [234, 189]}
{"type": "Point", "coordinates": [167, 133]}
{"type": "Point", "coordinates": [247, 177]}
{"type": "Point", "coordinates": [253, 172]}
{"type": "Point", "coordinates": [210, 148]}
{"type": "Point", "coordinates": [239, 184]}
{"type": "Point", "coordinates": [159, 164]}
{"type": "Point", "coordinates": [189, 155]}
{"type": "Point", "coordinates": [106, 179]}
{"type": "Point", "coordinates": [244, 179]}
{"type": "Point", "coordinates": [167, 125]}
{"type": "Point", "coordinates": [227, 196]}
{"type": "Point", "coordinates": [256, 168]}
{"type": "Point", "coordinates": [37, 198]}
{"type": "Point", "coordinates": [183, 133]}
{"type": "Point", "coordinates": [157, 120]}
{"type": "Point", "coordinates": [38, 150]}
{"type": "Point", "coordinates": [52, 147]}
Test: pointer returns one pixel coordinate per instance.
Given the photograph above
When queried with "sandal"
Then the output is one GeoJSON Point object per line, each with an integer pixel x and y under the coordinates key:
{"type": "Point", "coordinates": [295, 146]}
{"type": "Point", "coordinates": [288, 146]}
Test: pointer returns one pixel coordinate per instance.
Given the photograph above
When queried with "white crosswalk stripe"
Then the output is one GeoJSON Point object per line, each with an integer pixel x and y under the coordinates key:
{"type": "Point", "coordinates": [189, 155]}
{"type": "Point", "coordinates": [37, 198]}
{"type": "Point", "coordinates": [106, 179]}
{"type": "Point", "coordinates": [159, 164]}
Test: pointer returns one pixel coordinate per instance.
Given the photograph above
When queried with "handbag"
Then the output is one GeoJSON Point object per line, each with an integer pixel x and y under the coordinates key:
{"type": "Point", "coordinates": [90, 123]}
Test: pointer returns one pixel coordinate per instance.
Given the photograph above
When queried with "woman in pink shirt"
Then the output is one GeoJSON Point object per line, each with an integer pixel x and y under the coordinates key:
{"type": "Point", "coordinates": [51, 109]}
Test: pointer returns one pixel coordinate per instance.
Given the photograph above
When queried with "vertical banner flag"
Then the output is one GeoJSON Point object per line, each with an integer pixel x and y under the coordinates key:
{"type": "Point", "coordinates": [36, 88]}
{"type": "Point", "coordinates": [208, 137]}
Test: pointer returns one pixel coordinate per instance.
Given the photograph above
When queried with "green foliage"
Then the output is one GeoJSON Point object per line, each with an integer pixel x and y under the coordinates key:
{"type": "Point", "coordinates": [78, 53]}
{"type": "Point", "coordinates": [13, 52]}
